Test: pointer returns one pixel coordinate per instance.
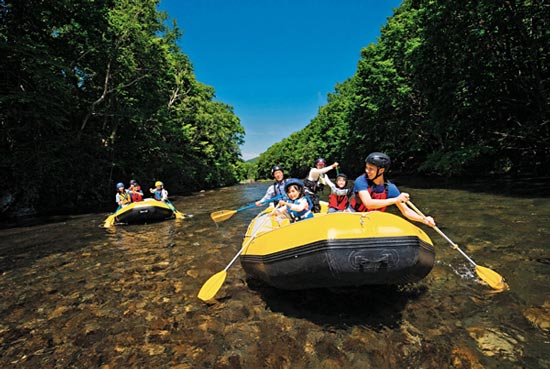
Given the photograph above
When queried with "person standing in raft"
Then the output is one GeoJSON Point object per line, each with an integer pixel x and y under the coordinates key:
{"type": "Point", "coordinates": [159, 193]}
{"type": "Point", "coordinates": [298, 205]}
{"type": "Point", "coordinates": [316, 180]}
{"type": "Point", "coordinates": [122, 197]}
{"type": "Point", "coordinates": [373, 192]}
{"type": "Point", "coordinates": [135, 191]}
{"type": "Point", "coordinates": [277, 189]}
{"type": "Point", "coordinates": [338, 200]}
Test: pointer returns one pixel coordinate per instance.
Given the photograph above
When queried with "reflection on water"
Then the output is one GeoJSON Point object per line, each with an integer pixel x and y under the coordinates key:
{"type": "Point", "coordinates": [75, 295]}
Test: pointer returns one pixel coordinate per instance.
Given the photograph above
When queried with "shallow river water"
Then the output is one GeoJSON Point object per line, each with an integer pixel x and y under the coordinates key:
{"type": "Point", "coordinates": [75, 295]}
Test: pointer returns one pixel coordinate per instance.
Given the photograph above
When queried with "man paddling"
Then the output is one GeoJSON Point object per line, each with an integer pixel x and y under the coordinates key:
{"type": "Point", "coordinates": [373, 192]}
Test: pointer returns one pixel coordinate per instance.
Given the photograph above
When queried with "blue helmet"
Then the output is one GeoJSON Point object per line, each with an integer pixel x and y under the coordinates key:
{"type": "Point", "coordinates": [294, 181]}
{"type": "Point", "coordinates": [120, 184]}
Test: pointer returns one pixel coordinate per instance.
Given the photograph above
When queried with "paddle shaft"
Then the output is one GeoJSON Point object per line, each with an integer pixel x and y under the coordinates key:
{"type": "Point", "coordinates": [177, 213]}
{"type": "Point", "coordinates": [246, 207]}
{"type": "Point", "coordinates": [237, 255]}
{"type": "Point", "coordinates": [222, 215]}
{"type": "Point", "coordinates": [243, 248]}
{"type": "Point", "coordinates": [214, 283]}
{"type": "Point", "coordinates": [211, 287]}
{"type": "Point", "coordinates": [263, 202]}
{"type": "Point", "coordinates": [436, 228]}
{"type": "Point", "coordinates": [454, 245]}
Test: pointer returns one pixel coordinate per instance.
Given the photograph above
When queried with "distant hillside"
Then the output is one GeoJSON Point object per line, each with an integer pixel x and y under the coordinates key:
{"type": "Point", "coordinates": [253, 160]}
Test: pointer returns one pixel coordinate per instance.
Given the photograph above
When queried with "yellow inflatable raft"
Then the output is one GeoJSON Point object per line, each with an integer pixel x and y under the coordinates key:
{"type": "Point", "coordinates": [336, 250]}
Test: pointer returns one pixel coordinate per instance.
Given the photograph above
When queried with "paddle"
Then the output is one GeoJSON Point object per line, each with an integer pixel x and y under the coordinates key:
{"type": "Point", "coordinates": [111, 218]}
{"type": "Point", "coordinates": [214, 283]}
{"type": "Point", "coordinates": [222, 215]}
{"type": "Point", "coordinates": [487, 275]}
{"type": "Point", "coordinates": [178, 214]}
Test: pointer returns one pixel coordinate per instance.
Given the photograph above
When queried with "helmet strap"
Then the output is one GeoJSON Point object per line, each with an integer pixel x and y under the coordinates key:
{"type": "Point", "coordinates": [378, 173]}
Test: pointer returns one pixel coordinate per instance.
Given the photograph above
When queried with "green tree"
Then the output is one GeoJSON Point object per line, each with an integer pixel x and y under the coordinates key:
{"type": "Point", "coordinates": [450, 88]}
{"type": "Point", "coordinates": [96, 92]}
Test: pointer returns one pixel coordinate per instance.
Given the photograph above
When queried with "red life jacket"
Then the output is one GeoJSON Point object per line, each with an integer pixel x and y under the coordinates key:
{"type": "Point", "coordinates": [136, 197]}
{"type": "Point", "coordinates": [358, 206]}
{"type": "Point", "coordinates": [339, 202]}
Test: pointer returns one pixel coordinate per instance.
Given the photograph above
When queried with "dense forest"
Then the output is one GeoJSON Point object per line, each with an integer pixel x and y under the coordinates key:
{"type": "Point", "coordinates": [451, 88]}
{"type": "Point", "coordinates": [95, 92]}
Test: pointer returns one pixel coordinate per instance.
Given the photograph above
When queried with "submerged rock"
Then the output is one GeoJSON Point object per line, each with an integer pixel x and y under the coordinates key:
{"type": "Point", "coordinates": [493, 342]}
{"type": "Point", "coordinates": [463, 357]}
{"type": "Point", "coordinates": [539, 317]}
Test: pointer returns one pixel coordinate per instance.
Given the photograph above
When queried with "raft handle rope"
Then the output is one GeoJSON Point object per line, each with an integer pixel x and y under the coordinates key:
{"type": "Point", "coordinates": [362, 219]}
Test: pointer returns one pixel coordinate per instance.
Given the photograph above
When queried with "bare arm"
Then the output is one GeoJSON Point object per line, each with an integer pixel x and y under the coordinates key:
{"type": "Point", "coordinates": [329, 183]}
{"type": "Point", "coordinates": [412, 215]}
{"type": "Point", "coordinates": [268, 194]}
{"type": "Point", "coordinates": [303, 205]}
{"type": "Point", "coordinates": [135, 190]}
{"type": "Point", "coordinates": [314, 173]}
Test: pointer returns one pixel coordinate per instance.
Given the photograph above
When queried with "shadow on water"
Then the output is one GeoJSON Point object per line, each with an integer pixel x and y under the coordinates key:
{"type": "Point", "coordinates": [375, 307]}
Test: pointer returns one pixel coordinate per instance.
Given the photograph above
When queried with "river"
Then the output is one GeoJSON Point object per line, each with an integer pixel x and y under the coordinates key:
{"type": "Point", "coordinates": [76, 295]}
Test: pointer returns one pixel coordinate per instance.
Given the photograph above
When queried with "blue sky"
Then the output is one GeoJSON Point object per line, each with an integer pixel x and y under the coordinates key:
{"type": "Point", "coordinates": [275, 61]}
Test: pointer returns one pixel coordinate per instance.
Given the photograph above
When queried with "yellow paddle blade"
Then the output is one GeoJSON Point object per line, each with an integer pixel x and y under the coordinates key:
{"type": "Point", "coordinates": [221, 215]}
{"type": "Point", "coordinates": [212, 286]}
{"type": "Point", "coordinates": [491, 277]}
{"type": "Point", "coordinates": [109, 221]}
{"type": "Point", "coordinates": [178, 214]}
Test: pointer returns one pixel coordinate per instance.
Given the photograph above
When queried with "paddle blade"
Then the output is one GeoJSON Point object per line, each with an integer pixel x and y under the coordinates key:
{"type": "Point", "coordinates": [212, 286]}
{"type": "Point", "coordinates": [178, 215]}
{"type": "Point", "coordinates": [109, 221]}
{"type": "Point", "coordinates": [221, 215]}
{"type": "Point", "coordinates": [491, 277]}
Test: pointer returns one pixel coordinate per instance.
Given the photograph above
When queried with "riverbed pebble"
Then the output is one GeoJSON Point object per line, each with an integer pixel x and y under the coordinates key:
{"type": "Point", "coordinates": [494, 342]}
{"type": "Point", "coordinates": [539, 316]}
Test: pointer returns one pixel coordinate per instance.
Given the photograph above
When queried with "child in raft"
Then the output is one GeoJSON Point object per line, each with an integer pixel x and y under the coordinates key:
{"type": "Point", "coordinates": [298, 206]}
{"type": "Point", "coordinates": [135, 191]}
{"type": "Point", "coordinates": [338, 200]}
{"type": "Point", "coordinates": [122, 197]}
{"type": "Point", "coordinates": [159, 193]}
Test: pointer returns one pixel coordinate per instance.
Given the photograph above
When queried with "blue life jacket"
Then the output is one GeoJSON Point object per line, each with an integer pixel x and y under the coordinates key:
{"type": "Point", "coordinates": [158, 195]}
{"type": "Point", "coordinates": [279, 189]}
{"type": "Point", "coordinates": [296, 216]}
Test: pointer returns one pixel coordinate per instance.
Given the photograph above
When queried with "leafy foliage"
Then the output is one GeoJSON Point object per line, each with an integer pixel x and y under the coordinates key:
{"type": "Point", "coordinates": [450, 88]}
{"type": "Point", "coordinates": [95, 92]}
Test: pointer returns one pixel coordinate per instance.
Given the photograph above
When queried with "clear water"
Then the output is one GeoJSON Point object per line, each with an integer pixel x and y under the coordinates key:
{"type": "Point", "coordinates": [74, 295]}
